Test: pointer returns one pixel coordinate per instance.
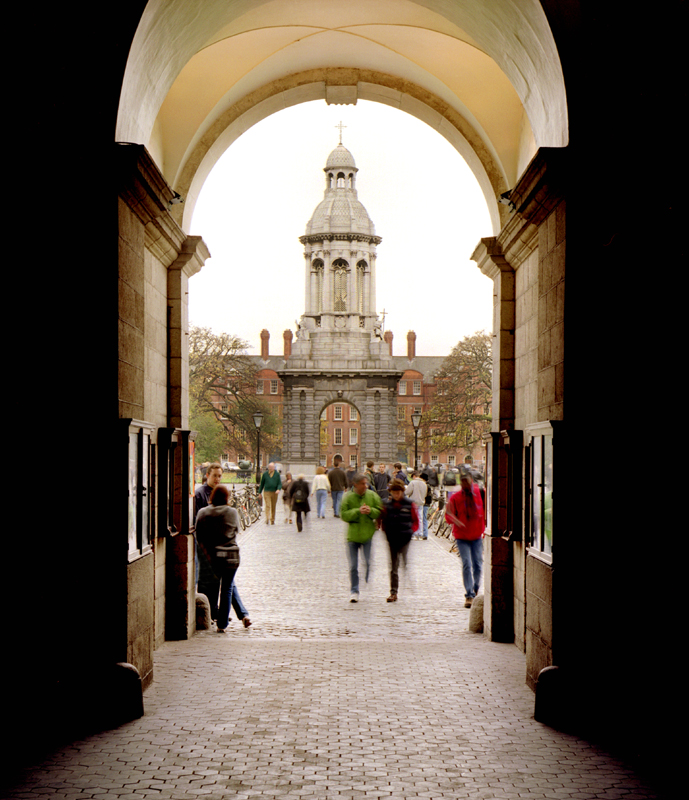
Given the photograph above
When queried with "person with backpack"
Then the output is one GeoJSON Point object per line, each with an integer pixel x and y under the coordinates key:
{"type": "Point", "coordinates": [299, 495]}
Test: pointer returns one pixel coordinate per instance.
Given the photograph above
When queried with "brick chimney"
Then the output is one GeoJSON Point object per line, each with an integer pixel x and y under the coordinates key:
{"type": "Point", "coordinates": [287, 336]}
{"type": "Point", "coordinates": [411, 345]}
{"type": "Point", "coordinates": [265, 342]}
{"type": "Point", "coordinates": [387, 336]}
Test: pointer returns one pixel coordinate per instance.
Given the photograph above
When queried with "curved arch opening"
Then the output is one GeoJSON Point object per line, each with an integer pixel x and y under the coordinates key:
{"type": "Point", "coordinates": [422, 198]}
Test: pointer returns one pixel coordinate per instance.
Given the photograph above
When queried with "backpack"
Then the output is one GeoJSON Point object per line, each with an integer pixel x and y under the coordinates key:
{"type": "Point", "coordinates": [300, 495]}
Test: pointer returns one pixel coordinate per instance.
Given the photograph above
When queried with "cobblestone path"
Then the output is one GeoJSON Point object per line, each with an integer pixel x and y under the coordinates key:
{"type": "Point", "coordinates": [323, 698]}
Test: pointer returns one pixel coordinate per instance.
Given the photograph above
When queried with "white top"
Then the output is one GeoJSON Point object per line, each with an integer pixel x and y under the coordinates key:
{"type": "Point", "coordinates": [320, 482]}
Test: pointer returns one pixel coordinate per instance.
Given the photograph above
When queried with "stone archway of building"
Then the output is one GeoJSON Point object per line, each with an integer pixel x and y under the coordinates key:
{"type": "Point", "coordinates": [357, 84]}
{"type": "Point", "coordinates": [373, 394]}
{"type": "Point", "coordinates": [486, 76]}
{"type": "Point", "coordinates": [345, 448]}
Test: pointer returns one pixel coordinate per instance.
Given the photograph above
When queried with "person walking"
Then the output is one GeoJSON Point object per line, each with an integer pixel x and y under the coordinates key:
{"type": "Point", "coordinates": [270, 486]}
{"type": "Point", "coordinates": [321, 488]}
{"type": "Point", "coordinates": [216, 528]}
{"type": "Point", "coordinates": [416, 491]}
{"type": "Point", "coordinates": [399, 521]}
{"type": "Point", "coordinates": [464, 510]}
{"type": "Point", "coordinates": [360, 509]}
{"type": "Point", "coordinates": [286, 502]}
{"type": "Point", "coordinates": [381, 479]}
{"type": "Point", "coordinates": [338, 484]}
{"type": "Point", "coordinates": [299, 495]}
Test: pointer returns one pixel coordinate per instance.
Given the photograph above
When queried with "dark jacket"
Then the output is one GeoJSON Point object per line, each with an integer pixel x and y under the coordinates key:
{"type": "Point", "coordinates": [338, 480]}
{"type": "Point", "coordinates": [216, 530]}
{"type": "Point", "coordinates": [398, 521]}
{"type": "Point", "coordinates": [381, 481]}
{"type": "Point", "coordinates": [303, 486]}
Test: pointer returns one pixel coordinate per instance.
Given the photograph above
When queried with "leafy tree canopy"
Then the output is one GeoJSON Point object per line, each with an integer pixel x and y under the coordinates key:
{"type": "Point", "coordinates": [222, 383]}
{"type": "Point", "coordinates": [461, 410]}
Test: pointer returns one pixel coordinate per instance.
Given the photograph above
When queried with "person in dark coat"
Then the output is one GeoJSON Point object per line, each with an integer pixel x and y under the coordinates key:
{"type": "Point", "coordinates": [299, 496]}
{"type": "Point", "coordinates": [400, 520]}
{"type": "Point", "coordinates": [216, 529]}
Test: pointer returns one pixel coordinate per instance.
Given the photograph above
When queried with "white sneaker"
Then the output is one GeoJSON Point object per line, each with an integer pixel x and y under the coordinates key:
{"type": "Point", "coordinates": [354, 597]}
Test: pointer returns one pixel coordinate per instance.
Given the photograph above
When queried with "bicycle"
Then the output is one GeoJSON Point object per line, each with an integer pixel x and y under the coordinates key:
{"type": "Point", "coordinates": [239, 504]}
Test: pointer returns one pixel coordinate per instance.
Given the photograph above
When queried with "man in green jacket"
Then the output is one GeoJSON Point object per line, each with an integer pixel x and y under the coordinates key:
{"type": "Point", "coordinates": [360, 508]}
{"type": "Point", "coordinates": [271, 484]}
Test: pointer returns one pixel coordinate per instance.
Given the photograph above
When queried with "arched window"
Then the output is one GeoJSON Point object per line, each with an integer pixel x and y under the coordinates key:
{"type": "Point", "coordinates": [340, 180]}
{"type": "Point", "coordinates": [317, 269]}
{"type": "Point", "coordinates": [340, 274]}
{"type": "Point", "coordinates": [360, 284]}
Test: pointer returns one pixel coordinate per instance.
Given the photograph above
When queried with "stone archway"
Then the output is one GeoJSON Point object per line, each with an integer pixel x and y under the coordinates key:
{"type": "Point", "coordinates": [355, 84]}
{"type": "Point", "coordinates": [487, 76]}
{"type": "Point", "coordinates": [372, 393]}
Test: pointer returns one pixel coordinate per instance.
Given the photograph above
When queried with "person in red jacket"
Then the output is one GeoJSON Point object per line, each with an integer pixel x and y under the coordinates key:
{"type": "Point", "coordinates": [465, 511]}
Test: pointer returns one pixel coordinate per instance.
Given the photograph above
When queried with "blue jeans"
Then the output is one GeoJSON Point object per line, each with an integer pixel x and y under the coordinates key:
{"type": "Point", "coordinates": [226, 591]}
{"type": "Point", "coordinates": [425, 522]}
{"type": "Point", "coordinates": [321, 494]}
{"type": "Point", "coordinates": [353, 556]}
{"type": "Point", "coordinates": [239, 607]}
{"type": "Point", "coordinates": [471, 553]}
{"type": "Point", "coordinates": [337, 499]}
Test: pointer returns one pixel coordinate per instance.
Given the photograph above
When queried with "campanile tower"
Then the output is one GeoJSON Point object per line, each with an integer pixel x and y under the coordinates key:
{"type": "Point", "coordinates": [339, 353]}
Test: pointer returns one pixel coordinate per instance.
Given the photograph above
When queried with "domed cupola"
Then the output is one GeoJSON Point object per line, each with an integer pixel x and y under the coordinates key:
{"type": "Point", "coordinates": [340, 210]}
{"type": "Point", "coordinates": [340, 261]}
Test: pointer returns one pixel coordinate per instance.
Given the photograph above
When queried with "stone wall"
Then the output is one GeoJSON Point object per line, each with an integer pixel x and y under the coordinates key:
{"type": "Point", "coordinates": [526, 262]}
{"type": "Point", "coordinates": [156, 259]}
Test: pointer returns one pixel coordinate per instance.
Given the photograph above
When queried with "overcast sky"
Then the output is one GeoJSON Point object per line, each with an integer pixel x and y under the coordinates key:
{"type": "Point", "coordinates": [420, 194]}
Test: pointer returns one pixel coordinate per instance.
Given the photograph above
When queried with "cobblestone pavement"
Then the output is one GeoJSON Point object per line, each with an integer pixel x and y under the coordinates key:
{"type": "Point", "coordinates": [322, 698]}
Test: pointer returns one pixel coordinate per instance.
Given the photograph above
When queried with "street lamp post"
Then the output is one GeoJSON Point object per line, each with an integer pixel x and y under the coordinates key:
{"type": "Point", "coordinates": [258, 421]}
{"type": "Point", "coordinates": [416, 421]}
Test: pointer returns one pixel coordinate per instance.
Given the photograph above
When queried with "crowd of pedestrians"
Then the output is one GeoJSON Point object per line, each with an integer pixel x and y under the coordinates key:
{"type": "Point", "coordinates": [373, 499]}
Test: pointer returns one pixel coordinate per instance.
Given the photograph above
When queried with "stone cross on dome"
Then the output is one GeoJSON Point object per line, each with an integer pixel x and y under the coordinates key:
{"type": "Point", "coordinates": [340, 126]}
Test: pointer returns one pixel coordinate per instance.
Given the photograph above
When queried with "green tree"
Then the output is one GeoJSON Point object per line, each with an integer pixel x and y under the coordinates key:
{"type": "Point", "coordinates": [211, 437]}
{"type": "Point", "coordinates": [460, 413]}
{"type": "Point", "coordinates": [222, 383]}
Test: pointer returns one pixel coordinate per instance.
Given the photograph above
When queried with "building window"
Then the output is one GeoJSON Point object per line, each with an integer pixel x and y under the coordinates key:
{"type": "Point", "coordinates": [434, 459]}
{"type": "Point", "coordinates": [259, 387]}
{"type": "Point", "coordinates": [403, 387]}
{"type": "Point", "coordinates": [451, 461]}
{"type": "Point", "coordinates": [417, 387]}
{"type": "Point", "coordinates": [338, 412]}
{"type": "Point", "coordinates": [353, 436]}
{"type": "Point", "coordinates": [353, 414]}
{"type": "Point", "coordinates": [340, 276]}
{"type": "Point", "coordinates": [223, 408]}
{"type": "Point", "coordinates": [418, 410]}
{"type": "Point", "coordinates": [274, 387]}
{"type": "Point", "coordinates": [401, 413]}
{"type": "Point", "coordinates": [541, 479]}
{"type": "Point", "coordinates": [352, 460]}
{"type": "Point", "coordinates": [338, 436]}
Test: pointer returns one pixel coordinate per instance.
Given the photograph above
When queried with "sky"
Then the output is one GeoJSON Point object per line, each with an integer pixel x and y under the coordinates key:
{"type": "Point", "coordinates": [423, 200]}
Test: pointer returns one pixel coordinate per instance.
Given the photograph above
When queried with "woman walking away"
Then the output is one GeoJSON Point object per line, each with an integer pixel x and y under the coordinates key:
{"type": "Point", "coordinates": [465, 511]}
{"type": "Point", "coordinates": [216, 530]}
{"type": "Point", "coordinates": [321, 488]}
{"type": "Point", "coordinates": [299, 494]}
{"type": "Point", "coordinates": [286, 502]}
